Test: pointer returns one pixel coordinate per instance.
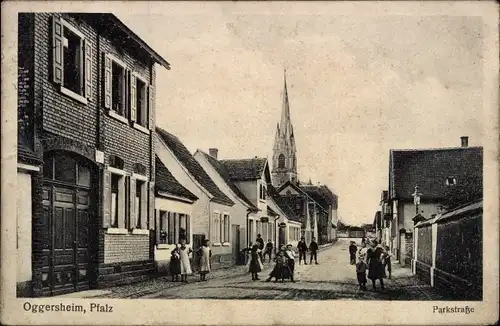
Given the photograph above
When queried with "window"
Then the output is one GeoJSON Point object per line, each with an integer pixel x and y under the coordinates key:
{"type": "Point", "coordinates": [114, 195]}
{"type": "Point", "coordinates": [173, 227]}
{"type": "Point", "coordinates": [71, 60]}
{"type": "Point", "coordinates": [281, 161]}
{"type": "Point", "coordinates": [115, 192]}
{"type": "Point", "coordinates": [262, 192]}
{"type": "Point", "coordinates": [142, 109]}
{"type": "Point", "coordinates": [451, 181]}
{"type": "Point", "coordinates": [118, 88]}
{"type": "Point", "coordinates": [225, 225]}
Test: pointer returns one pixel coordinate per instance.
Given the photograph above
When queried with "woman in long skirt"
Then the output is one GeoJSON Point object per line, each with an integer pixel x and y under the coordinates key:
{"type": "Point", "coordinates": [185, 263]}
{"type": "Point", "coordinates": [255, 263]}
{"type": "Point", "coordinates": [205, 255]}
{"type": "Point", "coordinates": [376, 270]}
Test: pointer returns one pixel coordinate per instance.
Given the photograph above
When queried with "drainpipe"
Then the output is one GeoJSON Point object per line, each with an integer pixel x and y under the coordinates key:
{"type": "Point", "coordinates": [249, 211]}
{"type": "Point", "coordinates": [275, 234]}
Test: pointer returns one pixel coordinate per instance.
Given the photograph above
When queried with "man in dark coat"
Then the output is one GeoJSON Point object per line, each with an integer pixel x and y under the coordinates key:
{"type": "Point", "coordinates": [313, 248]}
{"type": "Point", "coordinates": [302, 247]}
{"type": "Point", "coordinates": [352, 252]}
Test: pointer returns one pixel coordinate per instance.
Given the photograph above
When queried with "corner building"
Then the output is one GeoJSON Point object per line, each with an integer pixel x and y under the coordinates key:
{"type": "Point", "coordinates": [86, 110]}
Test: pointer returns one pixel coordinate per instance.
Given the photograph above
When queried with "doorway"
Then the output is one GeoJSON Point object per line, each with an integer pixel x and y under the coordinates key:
{"type": "Point", "coordinates": [68, 213]}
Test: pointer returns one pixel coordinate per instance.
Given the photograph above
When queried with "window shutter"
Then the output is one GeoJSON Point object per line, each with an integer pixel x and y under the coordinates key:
{"type": "Point", "coordinates": [132, 210]}
{"type": "Point", "coordinates": [133, 98]}
{"type": "Point", "coordinates": [88, 68]}
{"type": "Point", "coordinates": [57, 50]}
{"type": "Point", "coordinates": [145, 212]}
{"type": "Point", "coordinates": [106, 199]}
{"type": "Point", "coordinates": [151, 111]}
{"type": "Point", "coordinates": [121, 203]}
{"type": "Point", "coordinates": [107, 83]}
{"type": "Point", "coordinates": [151, 204]}
{"type": "Point", "coordinates": [188, 229]}
{"type": "Point", "coordinates": [156, 225]}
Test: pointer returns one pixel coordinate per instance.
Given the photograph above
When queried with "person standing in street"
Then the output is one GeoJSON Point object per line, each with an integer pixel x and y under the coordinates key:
{"type": "Point", "coordinates": [352, 252]}
{"type": "Point", "coordinates": [260, 243]}
{"type": "Point", "coordinates": [255, 263]}
{"type": "Point", "coordinates": [290, 255]}
{"type": "Point", "coordinates": [205, 254]}
{"type": "Point", "coordinates": [313, 248]}
{"type": "Point", "coordinates": [268, 250]}
{"type": "Point", "coordinates": [302, 246]}
{"type": "Point", "coordinates": [175, 264]}
{"type": "Point", "coordinates": [184, 253]}
{"type": "Point", "coordinates": [376, 269]}
{"type": "Point", "coordinates": [361, 273]}
{"type": "Point", "coordinates": [386, 260]}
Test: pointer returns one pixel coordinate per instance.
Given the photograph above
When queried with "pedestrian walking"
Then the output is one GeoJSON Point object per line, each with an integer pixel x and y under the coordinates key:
{"type": "Point", "coordinates": [375, 266]}
{"type": "Point", "coordinates": [302, 247]}
{"type": "Point", "coordinates": [268, 250]}
{"type": "Point", "coordinates": [184, 253]}
{"type": "Point", "coordinates": [260, 243]}
{"type": "Point", "coordinates": [255, 263]}
{"type": "Point", "coordinates": [361, 273]}
{"type": "Point", "coordinates": [290, 255]}
{"type": "Point", "coordinates": [363, 240]}
{"type": "Point", "coordinates": [386, 260]}
{"type": "Point", "coordinates": [175, 264]}
{"type": "Point", "coordinates": [352, 252]}
{"type": "Point", "coordinates": [205, 254]}
{"type": "Point", "coordinates": [313, 248]}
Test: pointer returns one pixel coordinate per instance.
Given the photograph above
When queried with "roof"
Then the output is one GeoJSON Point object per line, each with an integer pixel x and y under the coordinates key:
{"type": "Point", "coordinates": [109, 22]}
{"type": "Point", "coordinates": [462, 211]}
{"type": "Point", "coordinates": [245, 169]}
{"type": "Point", "coordinates": [282, 203]}
{"type": "Point", "coordinates": [300, 190]}
{"type": "Point", "coordinates": [194, 168]}
{"type": "Point", "coordinates": [25, 155]}
{"type": "Point", "coordinates": [429, 168]}
{"type": "Point", "coordinates": [165, 181]}
{"type": "Point", "coordinates": [225, 175]}
{"type": "Point", "coordinates": [318, 192]}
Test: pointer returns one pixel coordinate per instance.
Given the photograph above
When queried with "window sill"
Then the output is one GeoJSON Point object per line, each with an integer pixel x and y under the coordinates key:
{"type": "Point", "coordinates": [140, 231]}
{"type": "Point", "coordinates": [165, 246]}
{"type": "Point", "coordinates": [116, 231]}
{"type": "Point", "coordinates": [226, 244]}
{"type": "Point", "coordinates": [73, 95]}
{"type": "Point", "coordinates": [216, 244]}
{"type": "Point", "coordinates": [141, 128]}
{"type": "Point", "coordinates": [118, 117]}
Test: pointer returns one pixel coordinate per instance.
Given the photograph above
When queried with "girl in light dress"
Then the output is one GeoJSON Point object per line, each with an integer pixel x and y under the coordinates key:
{"type": "Point", "coordinates": [205, 255]}
{"type": "Point", "coordinates": [184, 253]}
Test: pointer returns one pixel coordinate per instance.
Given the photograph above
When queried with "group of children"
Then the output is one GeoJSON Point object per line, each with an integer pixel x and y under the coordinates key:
{"type": "Point", "coordinates": [373, 258]}
{"type": "Point", "coordinates": [181, 266]}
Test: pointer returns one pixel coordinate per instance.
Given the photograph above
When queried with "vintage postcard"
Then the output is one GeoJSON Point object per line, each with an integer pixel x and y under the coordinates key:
{"type": "Point", "coordinates": [250, 163]}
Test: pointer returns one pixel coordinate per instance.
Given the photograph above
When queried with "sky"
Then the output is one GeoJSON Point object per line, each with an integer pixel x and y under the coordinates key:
{"type": "Point", "coordinates": [358, 86]}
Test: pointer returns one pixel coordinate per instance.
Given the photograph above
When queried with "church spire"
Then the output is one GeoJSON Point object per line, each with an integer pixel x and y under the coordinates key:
{"type": "Point", "coordinates": [286, 123]}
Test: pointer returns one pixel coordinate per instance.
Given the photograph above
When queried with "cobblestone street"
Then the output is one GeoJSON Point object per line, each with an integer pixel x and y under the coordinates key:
{"type": "Point", "coordinates": [334, 278]}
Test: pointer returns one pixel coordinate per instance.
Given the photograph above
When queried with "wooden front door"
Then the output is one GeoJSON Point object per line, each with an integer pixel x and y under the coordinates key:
{"type": "Point", "coordinates": [235, 242]}
{"type": "Point", "coordinates": [68, 212]}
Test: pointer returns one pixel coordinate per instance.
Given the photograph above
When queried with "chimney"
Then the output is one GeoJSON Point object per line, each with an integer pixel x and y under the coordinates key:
{"type": "Point", "coordinates": [465, 141]}
{"type": "Point", "coordinates": [213, 152]}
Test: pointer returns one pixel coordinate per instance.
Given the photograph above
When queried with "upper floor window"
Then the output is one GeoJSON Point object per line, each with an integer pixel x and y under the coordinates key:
{"type": "Point", "coordinates": [71, 60]}
{"type": "Point", "coordinates": [281, 161]}
{"type": "Point", "coordinates": [451, 181]}
{"type": "Point", "coordinates": [262, 192]}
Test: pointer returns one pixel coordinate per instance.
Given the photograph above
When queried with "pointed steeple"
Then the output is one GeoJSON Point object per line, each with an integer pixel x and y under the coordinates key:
{"type": "Point", "coordinates": [286, 123]}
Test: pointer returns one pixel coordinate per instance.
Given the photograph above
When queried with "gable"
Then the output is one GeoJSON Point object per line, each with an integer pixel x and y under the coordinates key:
{"type": "Point", "coordinates": [289, 190]}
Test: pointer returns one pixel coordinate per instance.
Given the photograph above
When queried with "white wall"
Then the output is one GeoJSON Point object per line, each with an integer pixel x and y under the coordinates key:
{"type": "Point", "coordinates": [23, 218]}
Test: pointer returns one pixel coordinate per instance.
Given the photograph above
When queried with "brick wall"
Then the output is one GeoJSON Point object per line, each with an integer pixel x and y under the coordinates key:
{"type": "Point", "coordinates": [125, 248]}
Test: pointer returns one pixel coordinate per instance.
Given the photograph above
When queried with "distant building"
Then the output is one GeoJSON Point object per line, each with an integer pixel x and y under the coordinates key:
{"type": "Point", "coordinates": [445, 177]}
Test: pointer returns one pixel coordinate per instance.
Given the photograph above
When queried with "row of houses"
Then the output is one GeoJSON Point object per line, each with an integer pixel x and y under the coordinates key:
{"type": "Point", "coordinates": [103, 193]}
{"type": "Point", "coordinates": [431, 216]}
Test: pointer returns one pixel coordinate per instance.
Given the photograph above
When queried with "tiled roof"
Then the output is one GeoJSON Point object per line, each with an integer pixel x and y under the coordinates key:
{"type": "Point", "coordinates": [245, 169]}
{"type": "Point", "coordinates": [321, 193]}
{"type": "Point", "coordinates": [300, 190]}
{"type": "Point", "coordinates": [184, 156]}
{"type": "Point", "coordinates": [225, 175]}
{"type": "Point", "coordinates": [429, 168]}
{"type": "Point", "coordinates": [282, 203]}
{"type": "Point", "coordinates": [25, 154]}
{"type": "Point", "coordinates": [165, 181]}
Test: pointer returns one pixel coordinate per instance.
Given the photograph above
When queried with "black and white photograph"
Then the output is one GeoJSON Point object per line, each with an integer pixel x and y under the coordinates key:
{"type": "Point", "coordinates": [263, 155]}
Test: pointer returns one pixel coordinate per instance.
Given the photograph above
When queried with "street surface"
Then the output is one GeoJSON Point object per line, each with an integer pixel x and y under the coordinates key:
{"type": "Point", "coordinates": [334, 278]}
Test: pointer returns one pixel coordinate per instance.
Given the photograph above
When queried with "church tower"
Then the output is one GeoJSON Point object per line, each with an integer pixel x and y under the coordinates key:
{"type": "Point", "coordinates": [284, 151]}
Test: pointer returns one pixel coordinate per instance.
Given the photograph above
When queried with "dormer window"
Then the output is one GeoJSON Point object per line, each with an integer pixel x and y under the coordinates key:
{"type": "Point", "coordinates": [262, 192]}
{"type": "Point", "coordinates": [451, 181]}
